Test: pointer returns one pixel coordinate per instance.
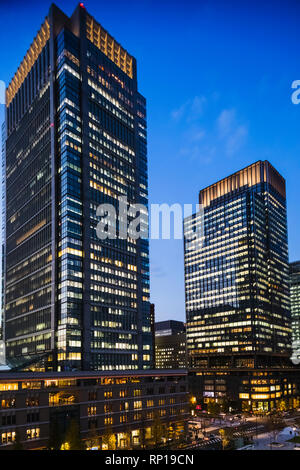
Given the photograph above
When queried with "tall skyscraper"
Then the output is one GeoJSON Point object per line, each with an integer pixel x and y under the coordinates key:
{"type": "Point", "coordinates": [3, 175]}
{"type": "Point", "coordinates": [236, 280]}
{"type": "Point", "coordinates": [295, 302]}
{"type": "Point", "coordinates": [152, 326]}
{"type": "Point", "coordinates": [76, 138]}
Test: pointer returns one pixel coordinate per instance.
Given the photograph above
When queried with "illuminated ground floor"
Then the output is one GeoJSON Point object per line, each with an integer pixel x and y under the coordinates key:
{"type": "Point", "coordinates": [109, 410]}
{"type": "Point", "coordinates": [142, 438]}
{"type": "Point", "coordinates": [244, 390]}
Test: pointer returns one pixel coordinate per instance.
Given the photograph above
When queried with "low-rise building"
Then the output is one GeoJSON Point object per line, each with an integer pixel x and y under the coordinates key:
{"type": "Point", "coordinates": [110, 410]}
{"type": "Point", "coordinates": [247, 390]}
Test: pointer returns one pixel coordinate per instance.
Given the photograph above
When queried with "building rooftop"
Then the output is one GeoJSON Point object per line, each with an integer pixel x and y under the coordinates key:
{"type": "Point", "coordinates": [294, 266]}
{"type": "Point", "coordinates": [95, 33]}
{"type": "Point", "coordinates": [169, 327]}
{"type": "Point", "coordinates": [258, 172]}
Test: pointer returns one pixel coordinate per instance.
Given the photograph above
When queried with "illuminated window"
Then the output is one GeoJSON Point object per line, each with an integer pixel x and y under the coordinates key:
{"type": "Point", "coordinates": [33, 433]}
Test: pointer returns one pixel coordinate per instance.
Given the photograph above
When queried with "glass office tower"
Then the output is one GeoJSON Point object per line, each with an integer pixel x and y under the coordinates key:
{"type": "Point", "coordinates": [76, 138]}
{"type": "Point", "coordinates": [237, 295]}
{"type": "Point", "coordinates": [295, 302]}
{"type": "Point", "coordinates": [237, 291]}
{"type": "Point", "coordinates": [2, 343]}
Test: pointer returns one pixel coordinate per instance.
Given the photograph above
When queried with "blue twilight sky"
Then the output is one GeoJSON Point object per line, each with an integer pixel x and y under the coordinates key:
{"type": "Point", "coordinates": [217, 77]}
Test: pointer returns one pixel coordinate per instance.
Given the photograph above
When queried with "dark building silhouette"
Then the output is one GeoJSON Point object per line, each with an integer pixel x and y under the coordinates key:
{"type": "Point", "coordinates": [170, 345]}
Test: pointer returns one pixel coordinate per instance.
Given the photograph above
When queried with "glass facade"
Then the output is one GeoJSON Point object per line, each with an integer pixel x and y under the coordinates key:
{"type": "Point", "coordinates": [28, 271]}
{"type": "Point", "coordinates": [76, 138]}
{"type": "Point", "coordinates": [70, 201]}
{"type": "Point", "coordinates": [295, 301]}
{"type": "Point", "coordinates": [236, 281]}
{"type": "Point", "coordinates": [3, 179]}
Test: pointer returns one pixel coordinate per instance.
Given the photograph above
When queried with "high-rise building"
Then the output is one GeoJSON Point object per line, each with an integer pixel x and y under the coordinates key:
{"type": "Point", "coordinates": [3, 174]}
{"type": "Point", "coordinates": [295, 302]}
{"type": "Point", "coordinates": [152, 326]}
{"type": "Point", "coordinates": [76, 138]}
{"type": "Point", "coordinates": [236, 282]}
{"type": "Point", "coordinates": [170, 345]}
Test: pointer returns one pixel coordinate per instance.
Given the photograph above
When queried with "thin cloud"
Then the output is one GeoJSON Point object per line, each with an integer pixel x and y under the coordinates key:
{"type": "Point", "coordinates": [158, 271]}
{"type": "Point", "coordinates": [202, 137]}
{"type": "Point", "coordinates": [190, 110]}
{"type": "Point", "coordinates": [236, 140]}
{"type": "Point", "coordinates": [231, 131]}
{"type": "Point", "coordinates": [177, 114]}
{"type": "Point", "coordinates": [225, 122]}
